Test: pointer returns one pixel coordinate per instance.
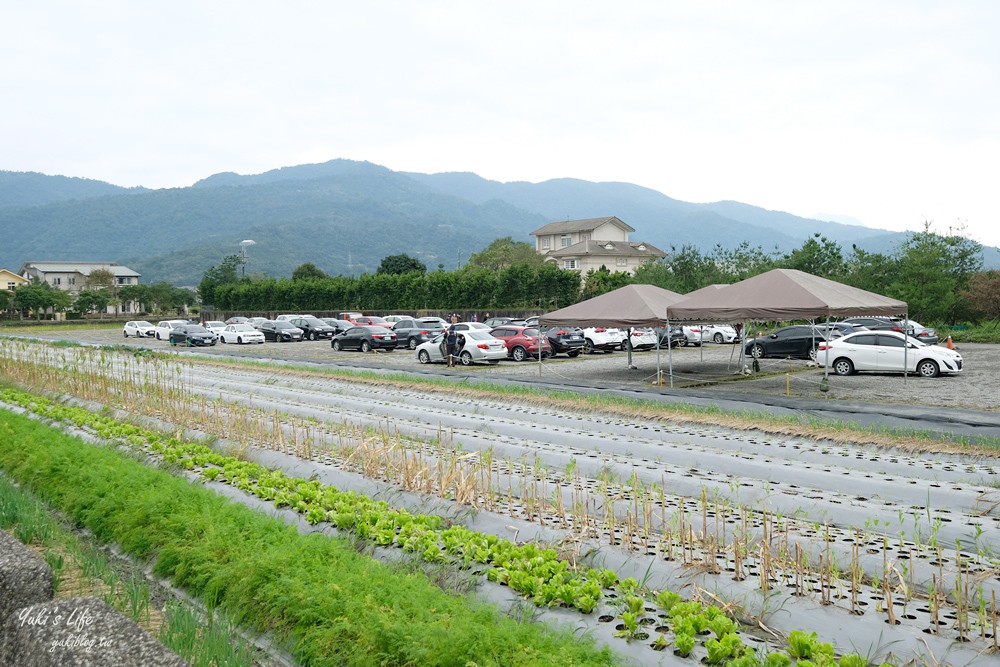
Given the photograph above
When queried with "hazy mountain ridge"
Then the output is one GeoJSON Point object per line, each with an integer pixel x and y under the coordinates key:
{"type": "Point", "coordinates": [344, 216]}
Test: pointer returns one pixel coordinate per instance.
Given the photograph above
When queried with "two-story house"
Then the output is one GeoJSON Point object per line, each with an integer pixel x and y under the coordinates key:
{"type": "Point", "coordinates": [73, 277]}
{"type": "Point", "coordinates": [583, 245]}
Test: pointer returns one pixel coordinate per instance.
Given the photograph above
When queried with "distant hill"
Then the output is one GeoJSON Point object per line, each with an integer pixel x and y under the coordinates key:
{"type": "Point", "coordinates": [345, 216]}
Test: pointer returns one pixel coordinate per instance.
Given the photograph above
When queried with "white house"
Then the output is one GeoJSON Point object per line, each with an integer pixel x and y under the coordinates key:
{"type": "Point", "coordinates": [73, 277]}
{"type": "Point", "coordinates": [583, 245]}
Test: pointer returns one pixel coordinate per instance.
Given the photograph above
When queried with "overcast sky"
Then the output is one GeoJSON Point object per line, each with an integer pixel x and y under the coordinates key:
{"type": "Point", "coordinates": [884, 112]}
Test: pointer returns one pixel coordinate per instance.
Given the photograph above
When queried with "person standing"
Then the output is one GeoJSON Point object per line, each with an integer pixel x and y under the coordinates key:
{"type": "Point", "coordinates": [451, 339]}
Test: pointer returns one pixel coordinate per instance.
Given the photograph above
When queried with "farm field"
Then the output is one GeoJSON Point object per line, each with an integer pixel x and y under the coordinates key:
{"type": "Point", "coordinates": [884, 549]}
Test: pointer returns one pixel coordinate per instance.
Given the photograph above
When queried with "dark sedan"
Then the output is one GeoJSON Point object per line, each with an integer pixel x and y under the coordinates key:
{"type": "Point", "coordinates": [412, 332]}
{"type": "Point", "coordinates": [365, 338]}
{"type": "Point", "coordinates": [280, 331]}
{"type": "Point", "coordinates": [190, 335]}
{"type": "Point", "coordinates": [314, 328]}
{"type": "Point", "coordinates": [565, 340]}
{"type": "Point", "coordinates": [340, 325]}
{"type": "Point", "coordinates": [674, 337]}
{"type": "Point", "coordinates": [798, 341]}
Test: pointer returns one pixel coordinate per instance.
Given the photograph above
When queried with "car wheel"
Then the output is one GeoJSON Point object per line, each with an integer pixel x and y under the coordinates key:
{"type": "Point", "coordinates": [843, 367]}
{"type": "Point", "coordinates": [466, 358]}
{"type": "Point", "coordinates": [239, 340]}
{"type": "Point", "coordinates": [573, 353]}
{"type": "Point", "coordinates": [335, 345]}
{"type": "Point", "coordinates": [366, 346]}
{"type": "Point", "coordinates": [519, 353]}
{"type": "Point", "coordinates": [928, 368]}
{"type": "Point", "coordinates": [717, 338]}
{"type": "Point", "coordinates": [588, 346]}
{"type": "Point", "coordinates": [423, 357]}
{"type": "Point", "coordinates": [814, 354]}
{"type": "Point", "coordinates": [624, 346]}
{"type": "Point", "coordinates": [158, 336]}
{"type": "Point", "coordinates": [314, 336]}
{"type": "Point", "coordinates": [412, 343]}
{"type": "Point", "coordinates": [757, 351]}
{"type": "Point", "coordinates": [126, 333]}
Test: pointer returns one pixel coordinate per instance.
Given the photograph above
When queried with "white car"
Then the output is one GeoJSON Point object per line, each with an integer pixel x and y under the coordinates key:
{"type": "Point", "coordinates": [240, 334]}
{"type": "Point", "coordinates": [164, 327]}
{"type": "Point", "coordinates": [885, 352]}
{"type": "Point", "coordinates": [642, 339]}
{"type": "Point", "coordinates": [139, 329]}
{"type": "Point", "coordinates": [476, 345]}
{"type": "Point", "coordinates": [600, 339]}
{"type": "Point", "coordinates": [718, 333]}
{"type": "Point", "coordinates": [215, 326]}
{"type": "Point", "coordinates": [395, 318]}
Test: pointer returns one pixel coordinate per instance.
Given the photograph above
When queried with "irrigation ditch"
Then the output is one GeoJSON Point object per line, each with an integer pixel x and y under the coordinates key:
{"type": "Point", "coordinates": [886, 553]}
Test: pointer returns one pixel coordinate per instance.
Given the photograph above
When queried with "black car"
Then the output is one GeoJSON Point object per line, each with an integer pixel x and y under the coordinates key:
{"type": "Point", "coordinates": [412, 332]}
{"type": "Point", "coordinates": [673, 337]}
{"type": "Point", "coordinates": [366, 338]}
{"type": "Point", "coordinates": [798, 341]}
{"type": "Point", "coordinates": [314, 328]}
{"type": "Point", "coordinates": [280, 331]}
{"type": "Point", "coordinates": [340, 325]}
{"type": "Point", "coordinates": [565, 340]}
{"type": "Point", "coordinates": [190, 335]}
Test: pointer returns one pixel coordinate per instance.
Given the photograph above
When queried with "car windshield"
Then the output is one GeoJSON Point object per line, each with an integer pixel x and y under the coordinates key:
{"type": "Point", "coordinates": [241, 327]}
{"type": "Point", "coordinates": [195, 329]}
{"type": "Point", "coordinates": [215, 324]}
{"type": "Point", "coordinates": [314, 321]}
{"type": "Point", "coordinates": [143, 323]}
{"type": "Point", "coordinates": [282, 324]}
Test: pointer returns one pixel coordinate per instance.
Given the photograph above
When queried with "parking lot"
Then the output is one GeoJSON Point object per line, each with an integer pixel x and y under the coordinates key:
{"type": "Point", "coordinates": [708, 368]}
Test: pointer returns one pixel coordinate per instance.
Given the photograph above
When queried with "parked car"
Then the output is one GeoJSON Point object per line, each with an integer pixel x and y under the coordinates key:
{"type": "Point", "coordinates": [798, 340]}
{"type": "Point", "coordinates": [241, 333]}
{"type": "Point", "coordinates": [411, 332]}
{"type": "Point", "coordinates": [672, 337]}
{"type": "Point", "coordinates": [191, 335]}
{"type": "Point", "coordinates": [280, 331]}
{"type": "Point", "coordinates": [874, 323]}
{"type": "Point", "coordinates": [237, 319]}
{"type": "Point", "coordinates": [255, 322]}
{"type": "Point", "coordinates": [641, 339]}
{"type": "Point", "coordinates": [565, 340]}
{"type": "Point", "coordinates": [139, 329]}
{"type": "Point", "coordinates": [371, 320]}
{"type": "Point", "coordinates": [164, 327]}
{"type": "Point", "coordinates": [469, 326]}
{"type": "Point", "coordinates": [339, 325]}
{"type": "Point", "coordinates": [349, 315]}
{"type": "Point", "coordinates": [692, 334]}
{"type": "Point", "coordinates": [440, 320]}
{"type": "Point", "coordinates": [365, 337]}
{"type": "Point", "coordinates": [599, 339]}
{"type": "Point", "coordinates": [215, 326]}
{"type": "Point", "coordinates": [474, 346]}
{"type": "Point", "coordinates": [522, 342]}
{"type": "Point", "coordinates": [719, 333]}
{"type": "Point", "coordinates": [921, 333]}
{"type": "Point", "coordinates": [887, 352]}
{"type": "Point", "coordinates": [495, 322]}
{"type": "Point", "coordinates": [314, 328]}
{"type": "Point", "coordinates": [288, 317]}
{"type": "Point", "coordinates": [392, 319]}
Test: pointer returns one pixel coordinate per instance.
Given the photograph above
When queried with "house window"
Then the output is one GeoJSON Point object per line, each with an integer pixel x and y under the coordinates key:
{"type": "Point", "coordinates": [57, 281]}
{"type": "Point", "coordinates": [546, 243]}
{"type": "Point", "coordinates": [11, 286]}
{"type": "Point", "coordinates": [122, 281]}
{"type": "Point", "coordinates": [621, 261]}
{"type": "Point", "coordinates": [570, 264]}
{"type": "Point", "coordinates": [71, 281]}
{"type": "Point", "coordinates": [565, 241]}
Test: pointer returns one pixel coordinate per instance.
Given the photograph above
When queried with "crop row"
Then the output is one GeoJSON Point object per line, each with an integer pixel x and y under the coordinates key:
{"type": "Point", "coordinates": [534, 572]}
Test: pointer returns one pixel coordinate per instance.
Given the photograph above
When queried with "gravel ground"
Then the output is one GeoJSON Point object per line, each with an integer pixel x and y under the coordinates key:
{"type": "Point", "coordinates": [709, 368]}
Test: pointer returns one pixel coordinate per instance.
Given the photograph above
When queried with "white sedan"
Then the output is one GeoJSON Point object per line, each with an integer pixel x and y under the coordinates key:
{"type": "Point", "coordinates": [601, 339]}
{"type": "Point", "coordinates": [696, 334]}
{"type": "Point", "coordinates": [215, 326]}
{"type": "Point", "coordinates": [887, 352]}
{"type": "Point", "coordinates": [240, 334]}
{"type": "Point", "coordinates": [476, 345]}
{"type": "Point", "coordinates": [642, 339]}
{"type": "Point", "coordinates": [139, 329]}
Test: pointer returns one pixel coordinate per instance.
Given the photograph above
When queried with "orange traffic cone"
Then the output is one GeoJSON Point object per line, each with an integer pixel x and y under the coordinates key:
{"type": "Point", "coordinates": [951, 346]}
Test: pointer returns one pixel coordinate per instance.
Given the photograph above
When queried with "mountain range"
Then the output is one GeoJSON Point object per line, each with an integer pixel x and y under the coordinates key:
{"type": "Point", "coordinates": [345, 216]}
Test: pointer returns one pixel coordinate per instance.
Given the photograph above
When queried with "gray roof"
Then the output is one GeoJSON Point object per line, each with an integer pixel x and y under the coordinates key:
{"type": "Point", "coordinates": [782, 294]}
{"type": "Point", "coordinates": [607, 249]}
{"type": "Point", "coordinates": [571, 226]}
{"type": "Point", "coordinates": [629, 306]}
{"type": "Point", "coordinates": [83, 268]}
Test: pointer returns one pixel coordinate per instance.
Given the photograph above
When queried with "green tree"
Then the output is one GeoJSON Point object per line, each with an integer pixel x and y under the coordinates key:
{"type": "Point", "coordinates": [308, 271]}
{"type": "Point", "coordinates": [92, 300]}
{"type": "Point", "coordinates": [5, 300]}
{"type": "Point", "coordinates": [504, 253]}
{"type": "Point", "coordinates": [400, 264]}
{"type": "Point", "coordinates": [870, 271]}
{"type": "Point", "coordinates": [600, 281]}
{"type": "Point", "coordinates": [104, 279]}
{"type": "Point", "coordinates": [38, 297]}
{"type": "Point", "coordinates": [818, 256]}
{"type": "Point", "coordinates": [932, 273]}
{"type": "Point", "coordinates": [732, 265]}
{"type": "Point", "coordinates": [225, 273]}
